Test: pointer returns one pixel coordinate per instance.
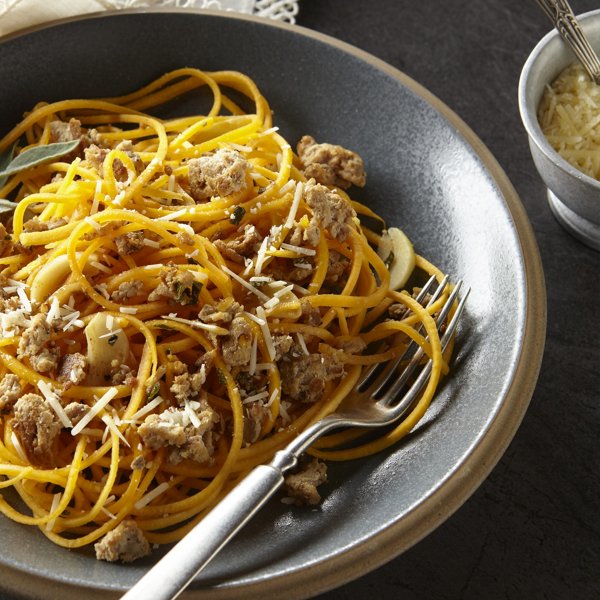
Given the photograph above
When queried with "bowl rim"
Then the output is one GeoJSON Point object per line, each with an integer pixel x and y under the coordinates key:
{"type": "Point", "coordinates": [459, 485]}
{"type": "Point", "coordinates": [529, 114]}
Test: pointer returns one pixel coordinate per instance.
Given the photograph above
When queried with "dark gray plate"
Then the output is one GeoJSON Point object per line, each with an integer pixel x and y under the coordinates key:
{"type": "Point", "coordinates": [428, 174]}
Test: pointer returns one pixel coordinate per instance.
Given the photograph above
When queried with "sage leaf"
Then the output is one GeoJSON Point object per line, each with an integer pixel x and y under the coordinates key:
{"type": "Point", "coordinates": [38, 155]}
{"type": "Point", "coordinates": [6, 206]}
{"type": "Point", "coordinates": [5, 159]}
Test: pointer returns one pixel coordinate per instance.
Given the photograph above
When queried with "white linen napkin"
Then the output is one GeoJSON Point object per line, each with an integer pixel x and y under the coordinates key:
{"type": "Point", "coordinates": [19, 14]}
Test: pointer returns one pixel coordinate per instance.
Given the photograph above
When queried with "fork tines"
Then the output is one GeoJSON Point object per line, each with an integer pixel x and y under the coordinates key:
{"type": "Point", "coordinates": [385, 380]}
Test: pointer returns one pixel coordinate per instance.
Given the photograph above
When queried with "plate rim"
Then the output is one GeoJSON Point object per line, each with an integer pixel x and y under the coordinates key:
{"type": "Point", "coordinates": [460, 484]}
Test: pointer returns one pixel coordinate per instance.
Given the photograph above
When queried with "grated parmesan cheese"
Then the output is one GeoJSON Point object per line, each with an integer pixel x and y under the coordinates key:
{"type": "Point", "coordinates": [145, 409]}
{"type": "Point", "coordinates": [151, 243]}
{"type": "Point", "coordinates": [110, 334]}
{"type": "Point", "coordinates": [52, 399]}
{"type": "Point", "coordinates": [253, 355]}
{"type": "Point", "coordinates": [299, 249]}
{"type": "Point", "coordinates": [289, 223]}
{"type": "Point", "coordinates": [283, 291]}
{"type": "Point", "coordinates": [256, 397]}
{"type": "Point", "coordinates": [191, 413]}
{"type": "Point", "coordinates": [174, 215]}
{"type": "Point", "coordinates": [98, 265]}
{"type": "Point", "coordinates": [272, 398]}
{"type": "Point", "coordinates": [269, 131]}
{"type": "Point", "coordinates": [25, 303]}
{"type": "Point", "coordinates": [53, 312]}
{"type": "Point", "coordinates": [55, 502]}
{"type": "Point", "coordinates": [569, 115]}
{"type": "Point", "coordinates": [155, 493]}
{"type": "Point", "coordinates": [108, 513]}
{"type": "Point", "coordinates": [98, 406]}
{"type": "Point", "coordinates": [272, 303]}
{"type": "Point", "coordinates": [260, 312]}
{"type": "Point", "coordinates": [301, 265]}
{"type": "Point", "coordinates": [196, 324]}
{"type": "Point", "coordinates": [264, 366]}
{"type": "Point", "coordinates": [73, 320]}
{"type": "Point", "coordinates": [302, 342]}
{"type": "Point", "coordinates": [245, 284]}
{"type": "Point", "coordinates": [15, 442]}
{"type": "Point", "coordinates": [256, 319]}
{"type": "Point", "coordinates": [110, 424]}
{"type": "Point", "coordinates": [262, 254]}
{"type": "Point", "coordinates": [287, 187]}
{"type": "Point", "coordinates": [93, 223]}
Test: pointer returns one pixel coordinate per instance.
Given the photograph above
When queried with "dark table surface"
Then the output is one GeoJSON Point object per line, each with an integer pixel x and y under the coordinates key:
{"type": "Point", "coordinates": [532, 530]}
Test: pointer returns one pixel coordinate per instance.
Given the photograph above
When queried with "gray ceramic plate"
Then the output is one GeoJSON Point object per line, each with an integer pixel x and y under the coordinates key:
{"type": "Point", "coordinates": [428, 174]}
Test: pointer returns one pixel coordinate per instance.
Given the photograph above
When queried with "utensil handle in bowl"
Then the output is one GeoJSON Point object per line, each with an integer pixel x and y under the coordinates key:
{"type": "Point", "coordinates": [563, 18]}
{"type": "Point", "coordinates": [169, 577]}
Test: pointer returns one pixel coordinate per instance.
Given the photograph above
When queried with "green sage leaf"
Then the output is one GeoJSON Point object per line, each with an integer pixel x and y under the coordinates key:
{"type": "Point", "coordinates": [5, 159]}
{"type": "Point", "coordinates": [37, 156]}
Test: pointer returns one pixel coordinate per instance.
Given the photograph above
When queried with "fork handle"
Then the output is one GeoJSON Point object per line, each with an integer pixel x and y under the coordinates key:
{"type": "Point", "coordinates": [169, 577]}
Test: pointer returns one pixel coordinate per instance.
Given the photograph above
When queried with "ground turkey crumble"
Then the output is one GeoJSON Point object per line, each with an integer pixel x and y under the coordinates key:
{"type": "Point", "coordinates": [219, 174]}
{"type": "Point", "coordinates": [303, 378]}
{"type": "Point", "coordinates": [75, 411]}
{"type": "Point", "coordinates": [236, 346]}
{"type": "Point", "coordinates": [178, 285]}
{"type": "Point", "coordinates": [255, 415]}
{"type": "Point", "coordinates": [302, 486]}
{"type": "Point", "coordinates": [311, 315]}
{"type": "Point", "coordinates": [128, 290]}
{"type": "Point", "coordinates": [61, 131]}
{"type": "Point", "coordinates": [186, 385]}
{"type": "Point", "coordinates": [95, 156]}
{"type": "Point", "coordinates": [330, 211]}
{"type": "Point", "coordinates": [34, 344]}
{"type": "Point", "coordinates": [121, 374]}
{"type": "Point", "coordinates": [10, 391]}
{"type": "Point", "coordinates": [126, 542]}
{"type": "Point", "coordinates": [337, 269]}
{"type": "Point", "coordinates": [37, 429]}
{"type": "Point", "coordinates": [5, 241]}
{"type": "Point", "coordinates": [242, 246]}
{"type": "Point", "coordinates": [330, 164]}
{"type": "Point", "coordinates": [173, 429]}
{"type": "Point", "coordinates": [352, 346]}
{"type": "Point", "coordinates": [73, 369]}
{"type": "Point", "coordinates": [223, 311]}
{"type": "Point", "coordinates": [33, 225]}
{"type": "Point", "coordinates": [130, 243]}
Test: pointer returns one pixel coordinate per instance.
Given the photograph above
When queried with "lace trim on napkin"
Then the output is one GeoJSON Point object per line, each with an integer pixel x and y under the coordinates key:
{"type": "Point", "coordinates": [18, 14]}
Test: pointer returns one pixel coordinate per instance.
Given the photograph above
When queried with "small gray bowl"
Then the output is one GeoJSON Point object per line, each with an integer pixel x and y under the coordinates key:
{"type": "Point", "coordinates": [573, 196]}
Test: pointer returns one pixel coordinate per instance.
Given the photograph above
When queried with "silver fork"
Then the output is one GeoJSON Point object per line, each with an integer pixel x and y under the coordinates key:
{"type": "Point", "coordinates": [373, 403]}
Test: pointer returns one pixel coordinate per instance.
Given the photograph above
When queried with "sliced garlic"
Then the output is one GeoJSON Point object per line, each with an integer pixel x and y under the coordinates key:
{"type": "Point", "coordinates": [397, 251]}
{"type": "Point", "coordinates": [49, 278]}
{"type": "Point", "coordinates": [104, 346]}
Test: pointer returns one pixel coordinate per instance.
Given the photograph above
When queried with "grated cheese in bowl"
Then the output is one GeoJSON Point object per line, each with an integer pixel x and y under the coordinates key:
{"type": "Point", "coordinates": [569, 115]}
